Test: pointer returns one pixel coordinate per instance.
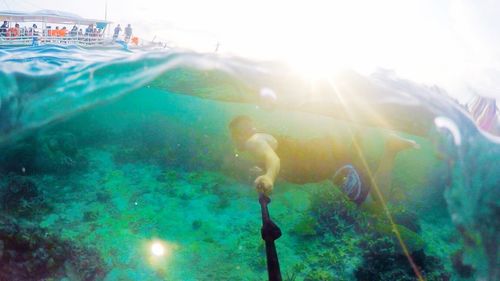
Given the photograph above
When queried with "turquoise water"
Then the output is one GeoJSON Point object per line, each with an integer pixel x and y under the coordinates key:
{"type": "Point", "coordinates": [104, 153]}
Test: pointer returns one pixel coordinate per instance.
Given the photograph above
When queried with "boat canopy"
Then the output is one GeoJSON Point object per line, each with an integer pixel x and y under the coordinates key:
{"type": "Point", "coordinates": [48, 16]}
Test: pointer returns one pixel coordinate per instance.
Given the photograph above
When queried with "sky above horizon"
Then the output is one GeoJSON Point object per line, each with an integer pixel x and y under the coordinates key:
{"type": "Point", "coordinates": [451, 43]}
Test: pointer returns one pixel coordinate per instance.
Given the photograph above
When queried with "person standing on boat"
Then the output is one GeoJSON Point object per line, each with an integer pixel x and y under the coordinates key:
{"type": "Point", "coordinates": [128, 32]}
{"type": "Point", "coordinates": [14, 31]}
{"type": "Point", "coordinates": [89, 30]}
{"type": "Point", "coordinates": [4, 28]}
{"type": "Point", "coordinates": [35, 30]}
{"type": "Point", "coordinates": [118, 29]}
{"type": "Point", "coordinates": [32, 31]}
{"type": "Point", "coordinates": [63, 32]}
{"type": "Point", "coordinates": [74, 31]}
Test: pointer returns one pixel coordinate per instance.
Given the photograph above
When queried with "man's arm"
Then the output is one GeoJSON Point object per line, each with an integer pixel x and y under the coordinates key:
{"type": "Point", "coordinates": [261, 150]}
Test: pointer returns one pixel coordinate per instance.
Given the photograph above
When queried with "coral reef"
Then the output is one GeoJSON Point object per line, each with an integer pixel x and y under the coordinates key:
{"type": "Point", "coordinates": [31, 253]}
{"type": "Point", "coordinates": [411, 239]}
{"type": "Point", "coordinates": [463, 270]}
{"type": "Point", "coordinates": [335, 213]}
{"type": "Point", "coordinates": [319, 275]}
{"type": "Point", "coordinates": [383, 261]}
{"type": "Point", "coordinates": [306, 227]}
{"type": "Point", "coordinates": [21, 196]}
{"type": "Point", "coordinates": [381, 256]}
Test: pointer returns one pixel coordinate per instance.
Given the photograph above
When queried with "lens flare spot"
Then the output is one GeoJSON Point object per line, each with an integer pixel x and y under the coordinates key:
{"type": "Point", "coordinates": [157, 249]}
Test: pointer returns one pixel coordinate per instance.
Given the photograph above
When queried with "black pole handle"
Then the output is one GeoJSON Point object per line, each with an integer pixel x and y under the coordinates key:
{"type": "Point", "coordinates": [270, 232]}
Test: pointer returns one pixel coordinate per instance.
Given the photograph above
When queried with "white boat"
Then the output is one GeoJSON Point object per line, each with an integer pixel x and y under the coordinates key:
{"type": "Point", "coordinates": [45, 33]}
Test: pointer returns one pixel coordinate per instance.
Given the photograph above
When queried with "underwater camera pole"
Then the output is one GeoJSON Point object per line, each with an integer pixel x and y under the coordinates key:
{"type": "Point", "coordinates": [270, 232]}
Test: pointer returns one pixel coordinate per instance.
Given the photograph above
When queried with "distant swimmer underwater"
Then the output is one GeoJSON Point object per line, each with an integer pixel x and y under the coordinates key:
{"type": "Point", "coordinates": [317, 159]}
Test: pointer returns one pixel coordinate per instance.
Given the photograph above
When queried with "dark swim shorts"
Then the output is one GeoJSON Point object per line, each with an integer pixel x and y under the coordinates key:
{"type": "Point", "coordinates": [351, 183]}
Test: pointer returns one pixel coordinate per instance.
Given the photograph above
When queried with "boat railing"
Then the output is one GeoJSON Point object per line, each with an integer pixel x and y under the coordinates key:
{"type": "Point", "coordinates": [77, 39]}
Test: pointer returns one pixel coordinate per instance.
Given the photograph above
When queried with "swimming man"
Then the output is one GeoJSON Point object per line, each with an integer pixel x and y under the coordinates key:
{"type": "Point", "coordinates": [315, 160]}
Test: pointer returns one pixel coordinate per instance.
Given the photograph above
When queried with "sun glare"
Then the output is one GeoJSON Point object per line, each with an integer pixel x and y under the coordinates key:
{"type": "Point", "coordinates": [314, 36]}
{"type": "Point", "coordinates": [159, 253]}
{"type": "Point", "coordinates": [160, 249]}
{"type": "Point", "coordinates": [157, 249]}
